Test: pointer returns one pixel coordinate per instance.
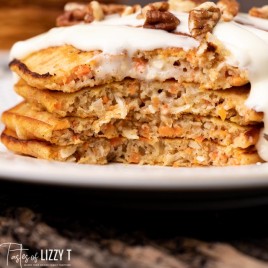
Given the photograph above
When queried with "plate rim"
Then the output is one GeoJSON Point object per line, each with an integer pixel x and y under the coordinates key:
{"type": "Point", "coordinates": [122, 177]}
{"type": "Point", "coordinates": [125, 176]}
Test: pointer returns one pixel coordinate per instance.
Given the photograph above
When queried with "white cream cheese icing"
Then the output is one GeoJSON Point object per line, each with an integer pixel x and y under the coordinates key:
{"type": "Point", "coordinates": [247, 44]}
{"type": "Point", "coordinates": [250, 20]}
{"type": "Point", "coordinates": [112, 36]}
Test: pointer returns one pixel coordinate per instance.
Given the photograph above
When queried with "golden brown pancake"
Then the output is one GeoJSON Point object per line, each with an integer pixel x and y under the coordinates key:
{"type": "Point", "coordinates": [29, 122]}
{"type": "Point", "coordinates": [168, 152]}
{"type": "Point", "coordinates": [68, 69]}
{"type": "Point", "coordinates": [171, 99]}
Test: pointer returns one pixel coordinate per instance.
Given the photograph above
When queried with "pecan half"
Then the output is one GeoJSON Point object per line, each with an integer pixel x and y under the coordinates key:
{"type": "Point", "coordinates": [261, 12]}
{"type": "Point", "coordinates": [229, 9]}
{"type": "Point", "coordinates": [203, 19]}
{"type": "Point", "coordinates": [161, 20]}
{"type": "Point", "coordinates": [184, 5]}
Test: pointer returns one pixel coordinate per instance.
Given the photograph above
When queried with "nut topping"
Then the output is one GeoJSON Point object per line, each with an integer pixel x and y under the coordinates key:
{"type": "Point", "coordinates": [261, 12]}
{"type": "Point", "coordinates": [161, 20]}
{"type": "Point", "coordinates": [229, 9]}
{"type": "Point", "coordinates": [203, 19]}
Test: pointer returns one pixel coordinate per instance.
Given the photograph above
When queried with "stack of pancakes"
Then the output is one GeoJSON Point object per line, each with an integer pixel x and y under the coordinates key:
{"type": "Point", "coordinates": [72, 112]}
{"type": "Point", "coordinates": [129, 121]}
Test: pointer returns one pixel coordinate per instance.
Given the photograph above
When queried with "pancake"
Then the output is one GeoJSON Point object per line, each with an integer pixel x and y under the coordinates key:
{"type": "Point", "coordinates": [29, 122]}
{"type": "Point", "coordinates": [171, 99]}
{"type": "Point", "coordinates": [68, 69]}
{"type": "Point", "coordinates": [167, 152]}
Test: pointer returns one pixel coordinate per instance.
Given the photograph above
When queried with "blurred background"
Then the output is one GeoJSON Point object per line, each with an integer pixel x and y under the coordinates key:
{"type": "Point", "coordinates": [21, 19]}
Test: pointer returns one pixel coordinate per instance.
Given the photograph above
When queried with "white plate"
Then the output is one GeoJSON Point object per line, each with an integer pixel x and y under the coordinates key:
{"type": "Point", "coordinates": [26, 169]}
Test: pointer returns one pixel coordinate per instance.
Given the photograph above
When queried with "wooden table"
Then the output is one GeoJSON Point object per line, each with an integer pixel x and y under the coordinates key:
{"type": "Point", "coordinates": [42, 218]}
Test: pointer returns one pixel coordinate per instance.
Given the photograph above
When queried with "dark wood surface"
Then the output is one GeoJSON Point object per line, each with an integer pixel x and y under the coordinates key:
{"type": "Point", "coordinates": [124, 236]}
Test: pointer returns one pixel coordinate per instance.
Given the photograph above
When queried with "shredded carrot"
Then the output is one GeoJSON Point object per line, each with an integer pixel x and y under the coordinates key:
{"type": "Point", "coordinates": [78, 72]}
{"type": "Point", "coordinates": [132, 89]}
{"type": "Point", "coordinates": [214, 155]}
{"type": "Point", "coordinates": [165, 106]}
{"type": "Point", "coordinates": [222, 113]}
{"type": "Point", "coordinates": [75, 138]}
{"type": "Point", "coordinates": [188, 151]}
{"type": "Point", "coordinates": [144, 139]}
{"type": "Point", "coordinates": [134, 158]}
{"type": "Point", "coordinates": [81, 70]}
{"type": "Point", "coordinates": [199, 139]}
{"type": "Point", "coordinates": [105, 99]}
{"type": "Point", "coordinates": [116, 142]}
{"type": "Point", "coordinates": [144, 131]}
{"type": "Point", "coordinates": [140, 64]}
{"type": "Point", "coordinates": [57, 106]}
{"type": "Point", "coordinates": [169, 131]}
{"type": "Point", "coordinates": [172, 89]}
{"type": "Point", "coordinates": [110, 130]}
{"type": "Point", "coordinates": [155, 102]}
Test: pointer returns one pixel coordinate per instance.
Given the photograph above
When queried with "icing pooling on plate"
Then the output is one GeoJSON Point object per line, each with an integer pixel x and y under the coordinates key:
{"type": "Point", "coordinates": [247, 42]}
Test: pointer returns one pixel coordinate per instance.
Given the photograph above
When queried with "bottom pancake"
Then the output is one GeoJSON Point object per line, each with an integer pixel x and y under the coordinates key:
{"type": "Point", "coordinates": [166, 152]}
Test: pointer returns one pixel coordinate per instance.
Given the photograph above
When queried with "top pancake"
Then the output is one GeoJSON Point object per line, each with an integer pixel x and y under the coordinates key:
{"type": "Point", "coordinates": [68, 69]}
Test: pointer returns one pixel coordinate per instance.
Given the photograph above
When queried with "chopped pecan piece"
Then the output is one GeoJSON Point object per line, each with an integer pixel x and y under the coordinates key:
{"type": "Point", "coordinates": [122, 10]}
{"type": "Point", "coordinates": [184, 5]}
{"type": "Point", "coordinates": [261, 12]}
{"type": "Point", "coordinates": [229, 9]}
{"type": "Point", "coordinates": [160, 6]}
{"type": "Point", "coordinates": [113, 9]}
{"type": "Point", "coordinates": [66, 19]}
{"type": "Point", "coordinates": [96, 10]}
{"type": "Point", "coordinates": [73, 6]}
{"type": "Point", "coordinates": [131, 10]}
{"type": "Point", "coordinates": [161, 20]}
{"type": "Point", "coordinates": [76, 13]}
{"type": "Point", "coordinates": [203, 19]}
